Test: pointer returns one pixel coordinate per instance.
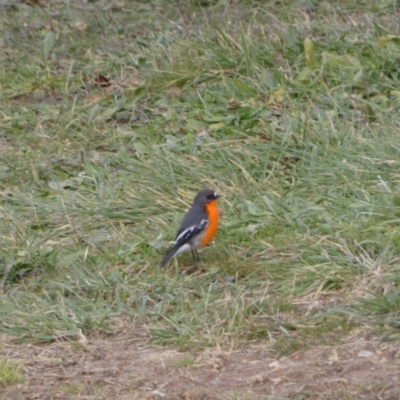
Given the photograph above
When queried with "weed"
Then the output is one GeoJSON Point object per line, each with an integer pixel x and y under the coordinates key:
{"type": "Point", "coordinates": [9, 373]}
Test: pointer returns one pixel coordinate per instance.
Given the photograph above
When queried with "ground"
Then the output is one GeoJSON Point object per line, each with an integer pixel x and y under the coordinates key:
{"type": "Point", "coordinates": [114, 114]}
{"type": "Point", "coordinates": [125, 367]}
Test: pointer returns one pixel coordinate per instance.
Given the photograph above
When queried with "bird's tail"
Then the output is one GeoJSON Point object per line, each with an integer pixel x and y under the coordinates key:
{"type": "Point", "coordinates": [171, 253]}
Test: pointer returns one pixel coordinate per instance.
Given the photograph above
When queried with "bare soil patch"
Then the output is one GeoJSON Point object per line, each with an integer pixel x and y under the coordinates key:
{"type": "Point", "coordinates": [125, 367]}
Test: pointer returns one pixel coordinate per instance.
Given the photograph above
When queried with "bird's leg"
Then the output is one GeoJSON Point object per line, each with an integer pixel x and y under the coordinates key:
{"type": "Point", "coordinates": [195, 256]}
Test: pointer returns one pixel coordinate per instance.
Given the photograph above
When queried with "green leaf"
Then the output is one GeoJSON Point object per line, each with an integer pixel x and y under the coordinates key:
{"type": "Point", "coordinates": [244, 90]}
{"type": "Point", "coordinates": [253, 210]}
{"type": "Point", "coordinates": [309, 52]}
{"type": "Point", "coordinates": [343, 61]}
{"type": "Point", "coordinates": [48, 44]}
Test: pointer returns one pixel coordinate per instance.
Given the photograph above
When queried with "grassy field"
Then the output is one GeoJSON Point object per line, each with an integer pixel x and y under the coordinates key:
{"type": "Point", "coordinates": [115, 113]}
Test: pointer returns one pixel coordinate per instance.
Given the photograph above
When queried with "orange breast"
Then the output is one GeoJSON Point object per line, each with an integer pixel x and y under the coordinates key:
{"type": "Point", "coordinates": [213, 216]}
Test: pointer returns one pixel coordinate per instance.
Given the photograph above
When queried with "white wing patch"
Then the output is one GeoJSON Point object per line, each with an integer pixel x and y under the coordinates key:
{"type": "Point", "coordinates": [191, 232]}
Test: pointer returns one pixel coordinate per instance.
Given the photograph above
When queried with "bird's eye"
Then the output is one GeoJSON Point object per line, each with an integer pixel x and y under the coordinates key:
{"type": "Point", "coordinates": [210, 196]}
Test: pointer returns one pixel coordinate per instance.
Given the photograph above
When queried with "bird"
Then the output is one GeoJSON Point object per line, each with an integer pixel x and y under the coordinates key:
{"type": "Point", "coordinates": [198, 226]}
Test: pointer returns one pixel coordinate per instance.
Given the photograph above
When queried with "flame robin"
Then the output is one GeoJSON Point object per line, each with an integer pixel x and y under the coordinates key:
{"type": "Point", "coordinates": [198, 227]}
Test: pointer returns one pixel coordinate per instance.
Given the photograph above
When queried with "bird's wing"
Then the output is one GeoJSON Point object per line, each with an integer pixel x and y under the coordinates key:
{"type": "Point", "coordinates": [183, 240]}
{"type": "Point", "coordinates": [187, 234]}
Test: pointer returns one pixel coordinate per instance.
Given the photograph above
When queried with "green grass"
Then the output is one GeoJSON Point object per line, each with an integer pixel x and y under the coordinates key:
{"type": "Point", "coordinates": [9, 373]}
{"type": "Point", "coordinates": [294, 121]}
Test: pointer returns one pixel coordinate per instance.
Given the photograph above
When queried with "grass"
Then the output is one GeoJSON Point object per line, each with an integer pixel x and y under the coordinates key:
{"type": "Point", "coordinates": [9, 373]}
{"type": "Point", "coordinates": [113, 118]}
